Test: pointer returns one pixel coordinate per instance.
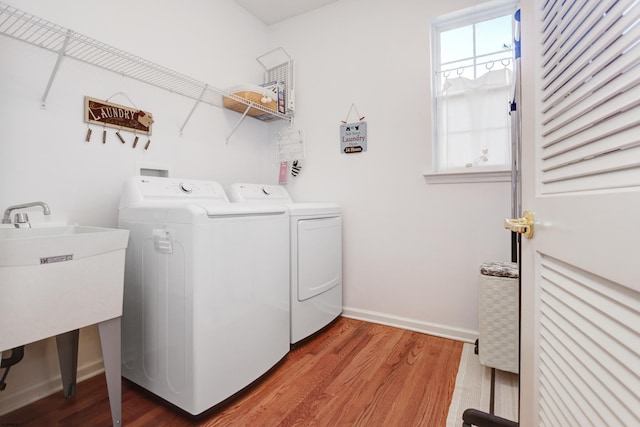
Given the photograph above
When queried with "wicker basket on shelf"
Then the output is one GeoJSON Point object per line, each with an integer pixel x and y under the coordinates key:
{"type": "Point", "coordinates": [254, 97]}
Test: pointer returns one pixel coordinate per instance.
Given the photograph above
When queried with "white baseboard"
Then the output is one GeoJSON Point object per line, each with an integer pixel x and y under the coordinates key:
{"type": "Point", "coordinates": [19, 398]}
{"type": "Point", "coordinates": [458, 334]}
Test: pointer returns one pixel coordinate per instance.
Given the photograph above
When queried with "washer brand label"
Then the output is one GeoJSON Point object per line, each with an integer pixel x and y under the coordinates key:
{"type": "Point", "coordinates": [57, 258]}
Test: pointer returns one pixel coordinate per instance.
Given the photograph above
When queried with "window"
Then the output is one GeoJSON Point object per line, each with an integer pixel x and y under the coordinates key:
{"type": "Point", "coordinates": [472, 56]}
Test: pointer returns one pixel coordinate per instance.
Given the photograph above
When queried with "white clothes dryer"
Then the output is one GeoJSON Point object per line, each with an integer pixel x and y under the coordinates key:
{"type": "Point", "coordinates": [315, 256]}
{"type": "Point", "coordinates": [206, 298]}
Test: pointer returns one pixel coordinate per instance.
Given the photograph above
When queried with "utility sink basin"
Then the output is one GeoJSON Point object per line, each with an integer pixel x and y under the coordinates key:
{"type": "Point", "coordinates": [57, 279]}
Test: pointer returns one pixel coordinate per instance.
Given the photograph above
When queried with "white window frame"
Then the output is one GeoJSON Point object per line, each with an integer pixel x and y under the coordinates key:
{"type": "Point", "coordinates": [469, 16]}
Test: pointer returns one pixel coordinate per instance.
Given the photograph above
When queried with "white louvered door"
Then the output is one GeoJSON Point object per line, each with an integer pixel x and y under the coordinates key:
{"type": "Point", "coordinates": [580, 350]}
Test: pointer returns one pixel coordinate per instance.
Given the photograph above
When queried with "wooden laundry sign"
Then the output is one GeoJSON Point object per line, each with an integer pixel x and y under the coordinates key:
{"type": "Point", "coordinates": [117, 116]}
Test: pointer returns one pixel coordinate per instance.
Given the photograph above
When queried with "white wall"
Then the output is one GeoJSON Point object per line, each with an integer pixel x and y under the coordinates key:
{"type": "Point", "coordinates": [43, 155]}
{"type": "Point", "coordinates": [411, 249]}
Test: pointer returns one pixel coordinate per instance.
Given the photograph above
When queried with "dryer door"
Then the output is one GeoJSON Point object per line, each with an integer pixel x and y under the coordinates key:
{"type": "Point", "coordinates": [319, 255]}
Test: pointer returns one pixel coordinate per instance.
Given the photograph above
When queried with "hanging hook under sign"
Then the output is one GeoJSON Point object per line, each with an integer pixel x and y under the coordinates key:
{"type": "Point", "coordinates": [353, 107]}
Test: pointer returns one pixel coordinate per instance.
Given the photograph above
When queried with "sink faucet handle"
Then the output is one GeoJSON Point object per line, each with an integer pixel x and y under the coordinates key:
{"type": "Point", "coordinates": [22, 220]}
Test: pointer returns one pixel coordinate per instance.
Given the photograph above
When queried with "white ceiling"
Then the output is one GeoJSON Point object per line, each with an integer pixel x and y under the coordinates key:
{"type": "Point", "coordinates": [272, 11]}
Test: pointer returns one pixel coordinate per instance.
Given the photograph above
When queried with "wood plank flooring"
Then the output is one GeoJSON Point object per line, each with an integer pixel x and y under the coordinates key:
{"type": "Point", "coordinates": [352, 374]}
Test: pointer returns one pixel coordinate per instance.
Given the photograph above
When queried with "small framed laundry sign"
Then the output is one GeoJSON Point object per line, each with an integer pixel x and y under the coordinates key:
{"type": "Point", "coordinates": [117, 116]}
{"type": "Point", "coordinates": [353, 136]}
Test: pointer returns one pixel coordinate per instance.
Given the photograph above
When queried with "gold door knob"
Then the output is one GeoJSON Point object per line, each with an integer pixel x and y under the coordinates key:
{"type": "Point", "coordinates": [522, 225]}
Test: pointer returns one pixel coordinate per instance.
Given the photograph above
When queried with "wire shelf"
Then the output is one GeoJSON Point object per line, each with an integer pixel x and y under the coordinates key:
{"type": "Point", "coordinates": [36, 31]}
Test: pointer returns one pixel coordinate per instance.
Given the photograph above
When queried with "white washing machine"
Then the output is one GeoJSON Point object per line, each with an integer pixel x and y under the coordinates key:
{"type": "Point", "coordinates": [316, 255]}
{"type": "Point", "coordinates": [206, 298]}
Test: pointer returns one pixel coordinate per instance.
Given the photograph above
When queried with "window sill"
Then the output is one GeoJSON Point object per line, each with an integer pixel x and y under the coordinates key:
{"type": "Point", "coordinates": [468, 177]}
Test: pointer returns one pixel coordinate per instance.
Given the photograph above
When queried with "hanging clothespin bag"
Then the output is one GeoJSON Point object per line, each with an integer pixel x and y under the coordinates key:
{"type": "Point", "coordinates": [353, 135]}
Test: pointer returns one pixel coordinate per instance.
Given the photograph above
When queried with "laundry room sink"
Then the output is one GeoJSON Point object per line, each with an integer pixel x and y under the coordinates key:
{"type": "Point", "coordinates": [57, 279]}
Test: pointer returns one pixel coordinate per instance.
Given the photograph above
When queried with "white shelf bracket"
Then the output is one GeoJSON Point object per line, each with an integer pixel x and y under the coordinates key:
{"type": "Point", "coordinates": [194, 108]}
{"type": "Point", "coordinates": [61, 52]}
{"type": "Point", "coordinates": [239, 122]}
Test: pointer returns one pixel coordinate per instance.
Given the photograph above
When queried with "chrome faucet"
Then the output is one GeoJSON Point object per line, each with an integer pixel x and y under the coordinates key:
{"type": "Point", "coordinates": [21, 218]}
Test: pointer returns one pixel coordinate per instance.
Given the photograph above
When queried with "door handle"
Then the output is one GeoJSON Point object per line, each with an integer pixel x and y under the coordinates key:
{"type": "Point", "coordinates": [522, 225]}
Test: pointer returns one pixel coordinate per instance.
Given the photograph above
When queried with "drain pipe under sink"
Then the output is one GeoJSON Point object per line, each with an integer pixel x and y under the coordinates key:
{"type": "Point", "coordinates": [16, 356]}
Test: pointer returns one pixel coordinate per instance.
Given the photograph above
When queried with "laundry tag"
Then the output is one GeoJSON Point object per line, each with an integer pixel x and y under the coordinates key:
{"type": "Point", "coordinates": [162, 241]}
{"type": "Point", "coordinates": [284, 166]}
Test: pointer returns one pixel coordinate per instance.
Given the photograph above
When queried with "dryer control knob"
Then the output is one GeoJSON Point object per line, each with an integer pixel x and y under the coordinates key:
{"type": "Point", "coordinates": [266, 190]}
{"type": "Point", "coordinates": [185, 187]}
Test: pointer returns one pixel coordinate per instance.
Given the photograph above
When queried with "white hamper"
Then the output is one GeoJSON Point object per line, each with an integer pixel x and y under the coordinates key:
{"type": "Point", "coordinates": [498, 315]}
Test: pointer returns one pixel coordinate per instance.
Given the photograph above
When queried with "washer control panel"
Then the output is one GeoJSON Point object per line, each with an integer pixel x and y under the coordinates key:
{"type": "Point", "coordinates": [149, 188]}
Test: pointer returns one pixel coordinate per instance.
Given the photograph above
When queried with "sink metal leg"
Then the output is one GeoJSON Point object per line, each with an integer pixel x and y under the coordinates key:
{"type": "Point", "coordinates": [67, 344]}
{"type": "Point", "coordinates": [111, 348]}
